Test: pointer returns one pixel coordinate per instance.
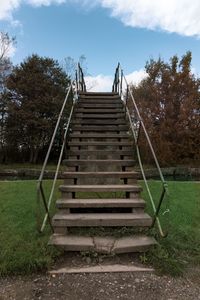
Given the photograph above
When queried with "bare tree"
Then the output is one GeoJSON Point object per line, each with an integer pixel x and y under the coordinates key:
{"type": "Point", "coordinates": [70, 65]}
{"type": "Point", "coordinates": [6, 43]}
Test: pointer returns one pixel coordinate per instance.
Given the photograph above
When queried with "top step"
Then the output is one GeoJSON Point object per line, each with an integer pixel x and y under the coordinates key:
{"type": "Point", "coordinates": [99, 94]}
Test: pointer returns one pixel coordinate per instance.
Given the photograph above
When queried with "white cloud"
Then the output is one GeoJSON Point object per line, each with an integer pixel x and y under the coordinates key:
{"type": "Point", "coordinates": [100, 83]}
{"type": "Point", "coordinates": [136, 76]}
{"type": "Point", "coordinates": [103, 83]}
{"type": "Point", "coordinates": [44, 2]}
{"type": "Point", "coordinates": [7, 7]}
{"type": "Point", "coordinates": [179, 16]}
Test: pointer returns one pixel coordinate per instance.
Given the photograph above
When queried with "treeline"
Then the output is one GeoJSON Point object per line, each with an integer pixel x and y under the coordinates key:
{"type": "Point", "coordinates": [169, 102]}
{"type": "Point", "coordinates": [31, 96]}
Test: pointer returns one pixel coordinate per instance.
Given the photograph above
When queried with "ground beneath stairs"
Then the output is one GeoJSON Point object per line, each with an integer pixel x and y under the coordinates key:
{"type": "Point", "coordinates": [102, 286]}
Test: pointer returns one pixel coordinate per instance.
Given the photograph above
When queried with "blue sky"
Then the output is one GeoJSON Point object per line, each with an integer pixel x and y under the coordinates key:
{"type": "Point", "coordinates": [105, 31]}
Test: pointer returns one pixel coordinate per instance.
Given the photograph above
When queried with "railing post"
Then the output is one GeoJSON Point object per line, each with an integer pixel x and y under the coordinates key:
{"type": "Point", "coordinates": [76, 80]}
{"type": "Point", "coordinates": [121, 83]}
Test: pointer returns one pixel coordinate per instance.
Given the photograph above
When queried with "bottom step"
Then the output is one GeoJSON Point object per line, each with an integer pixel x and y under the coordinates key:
{"type": "Point", "coordinates": [138, 243]}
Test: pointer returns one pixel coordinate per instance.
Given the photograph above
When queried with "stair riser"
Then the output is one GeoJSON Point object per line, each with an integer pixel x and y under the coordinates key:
{"type": "Point", "coordinates": [98, 111]}
{"type": "Point", "coordinates": [121, 163]}
{"type": "Point", "coordinates": [98, 157]}
{"type": "Point", "coordinates": [99, 94]}
{"type": "Point", "coordinates": [100, 143]}
{"type": "Point", "coordinates": [100, 101]}
{"type": "Point", "coordinates": [99, 152]}
{"type": "Point", "coordinates": [101, 174]}
{"type": "Point", "coordinates": [102, 98]}
{"type": "Point", "coordinates": [82, 105]}
{"type": "Point", "coordinates": [98, 136]}
{"type": "Point", "coordinates": [100, 128]}
{"type": "Point", "coordinates": [99, 139]}
{"type": "Point", "coordinates": [99, 122]}
{"type": "Point", "coordinates": [99, 116]}
{"type": "Point", "coordinates": [100, 222]}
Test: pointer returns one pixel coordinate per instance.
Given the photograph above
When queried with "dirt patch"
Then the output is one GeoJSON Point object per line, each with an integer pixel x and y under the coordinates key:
{"type": "Point", "coordinates": [102, 286]}
{"type": "Point", "coordinates": [99, 286]}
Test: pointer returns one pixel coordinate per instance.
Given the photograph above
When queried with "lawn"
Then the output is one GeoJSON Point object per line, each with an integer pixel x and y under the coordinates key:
{"type": "Point", "coordinates": [180, 216]}
{"type": "Point", "coordinates": [23, 250]}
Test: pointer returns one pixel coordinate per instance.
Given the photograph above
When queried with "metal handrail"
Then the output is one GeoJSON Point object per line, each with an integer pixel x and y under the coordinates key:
{"type": "Point", "coordinates": [40, 190]}
{"type": "Point", "coordinates": [118, 87]}
{"type": "Point", "coordinates": [78, 87]}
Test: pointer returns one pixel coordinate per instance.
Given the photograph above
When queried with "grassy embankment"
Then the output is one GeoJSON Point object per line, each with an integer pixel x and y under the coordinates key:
{"type": "Point", "coordinates": [23, 250]}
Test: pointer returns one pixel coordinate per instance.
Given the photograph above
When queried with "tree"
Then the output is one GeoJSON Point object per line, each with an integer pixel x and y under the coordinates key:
{"type": "Point", "coordinates": [6, 44]}
{"type": "Point", "coordinates": [37, 88]}
{"type": "Point", "coordinates": [69, 65]}
{"type": "Point", "coordinates": [169, 101]}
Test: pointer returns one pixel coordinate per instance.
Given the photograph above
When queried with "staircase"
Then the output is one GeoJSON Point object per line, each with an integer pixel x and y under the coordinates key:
{"type": "Point", "coordinates": [100, 192]}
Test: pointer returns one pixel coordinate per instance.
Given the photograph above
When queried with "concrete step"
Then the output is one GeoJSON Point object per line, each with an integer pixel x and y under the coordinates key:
{"type": "Point", "coordinates": [101, 128]}
{"type": "Point", "coordinates": [99, 116]}
{"type": "Point", "coordinates": [100, 152]}
{"type": "Point", "coordinates": [100, 203]}
{"type": "Point", "coordinates": [100, 135]}
{"type": "Point", "coordinates": [97, 121]}
{"type": "Point", "coordinates": [136, 243]}
{"type": "Point", "coordinates": [101, 219]}
{"type": "Point", "coordinates": [101, 188]}
{"type": "Point", "coordinates": [120, 175]}
{"type": "Point", "coordinates": [100, 143]}
{"type": "Point", "coordinates": [99, 110]}
{"type": "Point", "coordinates": [99, 162]}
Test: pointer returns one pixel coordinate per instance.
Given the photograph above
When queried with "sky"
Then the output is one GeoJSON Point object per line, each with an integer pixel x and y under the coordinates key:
{"type": "Point", "coordinates": [105, 32]}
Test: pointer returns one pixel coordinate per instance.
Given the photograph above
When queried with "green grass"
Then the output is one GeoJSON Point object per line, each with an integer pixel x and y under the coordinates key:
{"type": "Point", "coordinates": [180, 217]}
{"type": "Point", "coordinates": [23, 250]}
{"type": "Point", "coordinates": [18, 166]}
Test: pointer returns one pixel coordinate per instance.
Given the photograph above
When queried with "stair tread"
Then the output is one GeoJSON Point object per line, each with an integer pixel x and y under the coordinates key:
{"type": "Point", "coordinates": [99, 135]}
{"type": "Point", "coordinates": [99, 116]}
{"type": "Point", "coordinates": [100, 143]}
{"type": "Point", "coordinates": [99, 93]}
{"type": "Point", "coordinates": [100, 152]}
{"type": "Point", "coordinates": [123, 174]}
{"type": "Point", "coordinates": [100, 160]}
{"type": "Point", "coordinates": [100, 105]}
{"type": "Point", "coordinates": [102, 216]}
{"type": "Point", "coordinates": [97, 121]}
{"type": "Point", "coordinates": [100, 127]}
{"type": "Point", "coordinates": [96, 188]}
{"type": "Point", "coordinates": [99, 110]}
{"type": "Point", "coordinates": [100, 202]}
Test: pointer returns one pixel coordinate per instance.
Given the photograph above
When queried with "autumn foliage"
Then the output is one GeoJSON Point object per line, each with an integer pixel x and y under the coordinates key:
{"type": "Point", "coordinates": [169, 102]}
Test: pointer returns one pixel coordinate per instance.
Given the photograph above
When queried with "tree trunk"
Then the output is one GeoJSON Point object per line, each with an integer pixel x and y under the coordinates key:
{"type": "Point", "coordinates": [35, 157]}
